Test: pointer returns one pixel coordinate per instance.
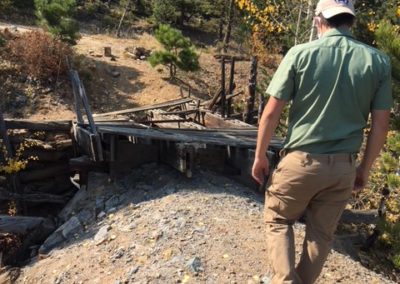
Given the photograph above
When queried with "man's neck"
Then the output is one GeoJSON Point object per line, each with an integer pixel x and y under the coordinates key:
{"type": "Point", "coordinates": [325, 29]}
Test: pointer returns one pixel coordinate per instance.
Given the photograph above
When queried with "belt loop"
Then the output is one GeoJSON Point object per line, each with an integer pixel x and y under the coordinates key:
{"type": "Point", "coordinates": [330, 159]}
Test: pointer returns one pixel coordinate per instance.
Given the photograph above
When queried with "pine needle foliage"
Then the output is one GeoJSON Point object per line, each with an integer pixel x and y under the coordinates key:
{"type": "Point", "coordinates": [178, 51]}
{"type": "Point", "coordinates": [57, 17]}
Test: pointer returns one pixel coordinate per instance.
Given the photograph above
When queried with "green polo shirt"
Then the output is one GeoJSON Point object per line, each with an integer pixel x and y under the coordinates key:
{"type": "Point", "coordinates": [333, 84]}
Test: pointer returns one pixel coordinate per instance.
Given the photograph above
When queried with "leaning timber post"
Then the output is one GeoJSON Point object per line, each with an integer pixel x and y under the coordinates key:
{"type": "Point", "coordinates": [248, 115]}
{"type": "Point", "coordinates": [231, 86]}
{"type": "Point", "coordinates": [223, 92]}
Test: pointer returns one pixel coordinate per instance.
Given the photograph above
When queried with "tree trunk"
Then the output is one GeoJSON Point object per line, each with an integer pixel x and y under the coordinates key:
{"type": "Point", "coordinates": [221, 22]}
{"type": "Point", "coordinates": [229, 26]}
{"type": "Point", "coordinates": [122, 18]}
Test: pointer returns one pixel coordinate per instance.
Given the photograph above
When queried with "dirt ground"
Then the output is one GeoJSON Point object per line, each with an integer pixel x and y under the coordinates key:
{"type": "Point", "coordinates": [171, 229]}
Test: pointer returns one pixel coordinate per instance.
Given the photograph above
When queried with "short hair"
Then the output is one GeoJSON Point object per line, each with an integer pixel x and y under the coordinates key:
{"type": "Point", "coordinates": [344, 19]}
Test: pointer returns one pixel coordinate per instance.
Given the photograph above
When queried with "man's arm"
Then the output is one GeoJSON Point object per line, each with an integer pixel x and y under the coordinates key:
{"type": "Point", "coordinates": [376, 140]}
{"type": "Point", "coordinates": [268, 123]}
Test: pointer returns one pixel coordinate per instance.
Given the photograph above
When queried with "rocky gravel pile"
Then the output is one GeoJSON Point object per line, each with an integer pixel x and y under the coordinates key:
{"type": "Point", "coordinates": [155, 226]}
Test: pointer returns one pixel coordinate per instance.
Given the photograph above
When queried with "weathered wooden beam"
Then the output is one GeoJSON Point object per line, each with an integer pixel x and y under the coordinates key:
{"type": "Point", "coordinates": [216, 121]}
{"type": "Point", "coordinates": [84, 163]}
{"type": "Point", "coordinates": [182, 112]}
{"type": "Point", "coordinates": [23, 225]}
{"type": "Point", "coordinates": [62, 126]}
{"type": "Point", "coordinates": [39, 174]}
{"type": "Point", "coordinates": [145, 108]}
{"type": "Point", "coordinates": [248, 115]}
{"type": "Point", "coordinates": [178, 155]}
{"type": "Point", "coordinates": [32, 197]}
{"type": "Point", "coordinates": [90, 143]}
{"type": "Point", "coordinates": [231, 56]}
{"type": "Point", "coordinates": [130, 155]}
{"type": "Point", "coordinates": [171, 135]}
{"type": "Point", "coordinates": [223, 92]}
{"type": "Point", "coordinates": [231, 87]}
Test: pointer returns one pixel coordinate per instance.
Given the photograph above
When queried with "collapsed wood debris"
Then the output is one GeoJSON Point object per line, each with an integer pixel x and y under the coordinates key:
{"type": "Point", "coordinates": [185, 133]}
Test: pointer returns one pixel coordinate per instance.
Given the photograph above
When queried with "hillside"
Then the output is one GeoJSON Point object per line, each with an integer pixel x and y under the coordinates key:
{"type": "Point", "coordinates": [123, 82]}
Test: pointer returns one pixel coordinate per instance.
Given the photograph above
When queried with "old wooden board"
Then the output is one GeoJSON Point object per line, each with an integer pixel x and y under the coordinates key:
{"type": "Point", "coordinates": [64, 126]}
{"type": "Point", "coordinates": [179, 156]}
{"type": "Point", "coordinates": [201, 136]}
{"type": "Point", "coordinates": [145, 108]}
{"type": "Point", "coordinates": [90, 143]}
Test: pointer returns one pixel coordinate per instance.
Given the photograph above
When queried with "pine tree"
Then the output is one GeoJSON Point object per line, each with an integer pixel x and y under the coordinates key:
{"type": "Point", "coordinates": [56, 16]}
{"type": "Point", "coordinates": [178, 51]}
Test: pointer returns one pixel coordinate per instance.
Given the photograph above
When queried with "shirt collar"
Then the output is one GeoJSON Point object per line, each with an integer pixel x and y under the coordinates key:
{"type": "Point", "coordinates": [338, 32]}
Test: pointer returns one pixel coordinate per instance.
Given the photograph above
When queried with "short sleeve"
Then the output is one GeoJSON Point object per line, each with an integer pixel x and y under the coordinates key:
{"type": "Point", "coordinates": [383, 99]}
{"type": "Point", "coordinates": [283, 82]}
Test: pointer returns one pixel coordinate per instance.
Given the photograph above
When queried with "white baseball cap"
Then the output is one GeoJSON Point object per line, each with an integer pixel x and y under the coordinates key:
{"type": "Point", "coordinates": [331, 8]}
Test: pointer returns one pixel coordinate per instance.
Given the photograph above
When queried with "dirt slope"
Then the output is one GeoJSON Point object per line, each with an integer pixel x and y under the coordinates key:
{"type": "Point", "coordinates": [124, 82]}
{"type": "Point", "coordinates": [164, 228]}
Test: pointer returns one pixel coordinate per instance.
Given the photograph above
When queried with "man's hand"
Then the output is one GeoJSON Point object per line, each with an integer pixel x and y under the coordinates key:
{"type": "Point", "coordinates": [260, 169]}
{"type": "Point", "coordinates": [361, 180]}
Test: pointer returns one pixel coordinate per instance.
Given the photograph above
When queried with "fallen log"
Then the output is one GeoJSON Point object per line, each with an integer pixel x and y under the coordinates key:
{"type": "Point", "coordinates": [62, 126]}
{"type": "Point", "coordinates": [33, 197]}
{"type": "Point", "coordinates": [23, 225]}
{"type": "Point", "coordinates": [47, 156]}
{"type": "Point", "coordinates": [28, 176]}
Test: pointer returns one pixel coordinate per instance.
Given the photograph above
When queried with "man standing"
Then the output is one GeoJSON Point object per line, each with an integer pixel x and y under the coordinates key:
{"type": "Point", "coordinates": [334, 84]}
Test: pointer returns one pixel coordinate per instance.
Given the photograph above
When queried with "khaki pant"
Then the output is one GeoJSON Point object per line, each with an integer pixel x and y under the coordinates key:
{"type": "Point", "coordinates": [318, 186]}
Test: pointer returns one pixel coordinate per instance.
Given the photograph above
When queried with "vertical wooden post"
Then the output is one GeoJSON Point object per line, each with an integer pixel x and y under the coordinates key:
{"type": "Point", "coordinates": [14, 180]}
{"type": "Point", "coordinates": [248, 115]}
{"type": "Point", "coordinates": [223, 91]}
{"type": "Point", "coordinates": [231, 86]}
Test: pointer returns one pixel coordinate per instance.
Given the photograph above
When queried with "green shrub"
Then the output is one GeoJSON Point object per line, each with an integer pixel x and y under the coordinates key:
{"type": "Point", "coordinates": [56, 16]}
{"type": "Point", "coordinates": [178, 51]}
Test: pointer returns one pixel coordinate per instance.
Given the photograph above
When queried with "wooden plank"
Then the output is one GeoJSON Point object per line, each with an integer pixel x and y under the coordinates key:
{"type": "Point", "coordinates": [145, 108]}
{"type": "Point", "coordinates": [62, 125]}
{"type": "Point", "coordinates": [84, 100]}
{"type": "Point", "coordinates": [130, 155]}
{"type": "Point", "coordinates": [33, 197]}
{"type": "Point", "coordinates": [84, 163]}
{"type": "Point", "coordinates": [217, 121]}
{"type": "Point", "coordinates": [178, 155]}
{"type": "Point", "coordinates": [223, 92]}
{"type": "Point", "coordinates": [77, 102]}
{"type": "Point", "coordinates": [248, 115]}
{"type": "Point", "coordinates": [90, 143]}
{"type": "Point", "coordinates": [170, 135]}
{"type": "Point", "coordinates": [40, 174]}
{"type": "Point", "coordinates": [231, 86]}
